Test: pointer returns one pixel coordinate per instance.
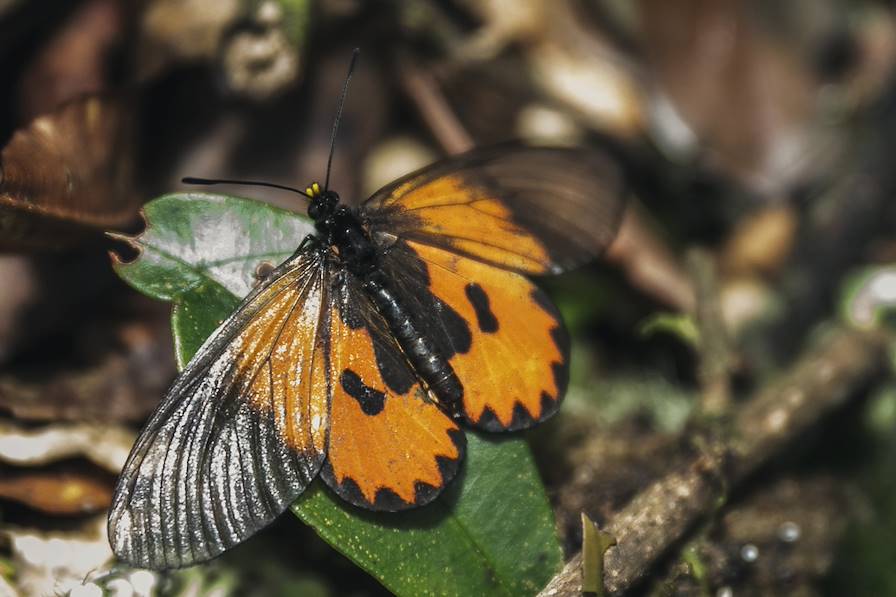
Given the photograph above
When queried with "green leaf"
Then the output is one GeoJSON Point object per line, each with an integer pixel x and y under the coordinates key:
{"type": "Point", "coordinates": [490, 533]}
{"type": "Point", "coordinates": [595, 544]}
{"type": "Point", "coordinates": [676, 324]}
{"type": "Point", "coordinates": [196, 315]}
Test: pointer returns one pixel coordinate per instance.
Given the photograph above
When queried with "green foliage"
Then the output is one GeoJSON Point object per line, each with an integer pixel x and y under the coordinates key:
{"type": "Point", "coordinates": [681, 326]}
{"type": "Point", "coordinates": [864, 564]}
{"type": "Point", "coordinates": [595, 544]}
{"type": "Point", "coordinates": [491, 533]}
{"type": "Point", "coordinates": [613, 397]}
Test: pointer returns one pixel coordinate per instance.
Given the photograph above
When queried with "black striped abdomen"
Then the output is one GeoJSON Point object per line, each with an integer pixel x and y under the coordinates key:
{"type": "Point", "coordinates": [421, 351]}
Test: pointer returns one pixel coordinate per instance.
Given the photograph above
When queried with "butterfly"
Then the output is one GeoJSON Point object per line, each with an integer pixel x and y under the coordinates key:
{"type": "Point", "coordinates": [359, 359]}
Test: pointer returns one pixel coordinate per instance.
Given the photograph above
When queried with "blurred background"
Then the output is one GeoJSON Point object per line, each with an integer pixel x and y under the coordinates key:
{"type": "Point", "coordinates": [757, 137]}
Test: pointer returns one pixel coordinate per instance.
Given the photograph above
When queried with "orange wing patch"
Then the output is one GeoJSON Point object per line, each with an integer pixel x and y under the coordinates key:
{"type": "Point", "coordinates": [388, 449]}
{"type": "Point", "coordinates": [516, 368]}
{"type": "Point", "coordinates": [279, 366]}
{"type": "Point", "coordinates": [470, 221]}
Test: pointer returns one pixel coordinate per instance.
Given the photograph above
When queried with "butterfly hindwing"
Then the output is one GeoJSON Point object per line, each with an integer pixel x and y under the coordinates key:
{"type": "Point", "coordinates": [390, 446]}
{"type": "Point", "coordinates": [512, 361]}
{"type": "Point", "coordinates": [239, 435]}
{"type": "Point", "coordinates": [533, 210]}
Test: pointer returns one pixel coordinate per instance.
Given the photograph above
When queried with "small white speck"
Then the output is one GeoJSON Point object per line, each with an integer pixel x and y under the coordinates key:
{"type": "Point", "coordinates": [749, 553]}
{"type": "Point", "coordinates": [789, 532]}
{"type": "Point", "coordinates": [794, 396]}
{"type": "Point", "coordinates": [776, 420]}
{"type": "Point", "coordinates": [825, 372]}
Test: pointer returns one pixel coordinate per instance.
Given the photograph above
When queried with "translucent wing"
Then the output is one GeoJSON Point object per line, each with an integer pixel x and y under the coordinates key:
{"type": "Point", "coordinates": [530, 209]}
{"type": "Point", "coordinates": [239, 435]}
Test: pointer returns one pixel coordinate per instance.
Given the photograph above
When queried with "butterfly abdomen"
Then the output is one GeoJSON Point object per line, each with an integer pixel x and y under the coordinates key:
{"type": "Point", "coordinates": [420, 350]}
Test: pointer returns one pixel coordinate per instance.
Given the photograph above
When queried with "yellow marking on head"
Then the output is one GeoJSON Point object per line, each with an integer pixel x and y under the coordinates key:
{"type": "Point", "coordinates": [312, 190]}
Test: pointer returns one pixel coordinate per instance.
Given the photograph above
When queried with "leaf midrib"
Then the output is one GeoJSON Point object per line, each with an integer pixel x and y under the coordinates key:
{"type": "Point", "coordinates": [202, 269]}
{"type": "Point", "coordinates": [478, 548]}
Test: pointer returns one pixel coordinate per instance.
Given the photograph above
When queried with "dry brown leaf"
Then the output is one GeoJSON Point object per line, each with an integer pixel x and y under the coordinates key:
{"type": "Point", "coordinates": [55, 562]}
{"type": "Point", "coordinates": [75, 60]}
{"type": "Point", "coordinates": [761, 242]}
{"type": "Point", "coordinates": [746, 98]}
{"type": "Point", "coordinates": [61, 493]}
{"type": "Point", "coordinates": [105, 445]}
{"type": "Point", "coordinates": [66, 174]}
{"type": "Point", "coordinates": [124, 385]}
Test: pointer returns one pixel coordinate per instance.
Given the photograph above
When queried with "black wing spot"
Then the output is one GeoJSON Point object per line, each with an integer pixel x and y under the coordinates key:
{"type": "Point", "coordinates": [479, 299]}
{"type": "Point", "coordinates": [372, 401]}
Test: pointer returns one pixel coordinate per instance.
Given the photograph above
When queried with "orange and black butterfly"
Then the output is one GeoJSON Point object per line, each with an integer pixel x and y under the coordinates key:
{"type": "Point", "coordinates": [361, 356]}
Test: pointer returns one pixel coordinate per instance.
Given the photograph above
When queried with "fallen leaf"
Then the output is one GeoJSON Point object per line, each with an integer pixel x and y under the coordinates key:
{"type": "Point", "coordinates": [67, 175]}
{"type": "Point", "coordinates": [762, 242]}
{"type": "Point", "coordinates": [747, 101]}
{"type": "Point", "coordinates": [75, 61]}
{"type": "Point", "coordinates": [61, 493]}
{"type": "Point", "coordinates": [105, 445]}
{"type": "Point", "coordinates": [55, 562]}
{"type": "Point", "coordinates": [123, 384]}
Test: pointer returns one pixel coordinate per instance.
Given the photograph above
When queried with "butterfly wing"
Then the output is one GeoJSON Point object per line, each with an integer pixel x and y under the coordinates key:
{"type": "Point", "coordinates": [239, 435]}
{"type": "Point", "coordinates": [500, 333]}
{"type": "Point", "coordinates": [390, 446]}
{"type": "Point", "coordinates": [455, 239]}
{"type": "Point", "coordinates": [534, 210]}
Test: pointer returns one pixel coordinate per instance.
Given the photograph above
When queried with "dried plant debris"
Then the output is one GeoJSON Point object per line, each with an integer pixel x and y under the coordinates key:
{"type": "Point", "coordinates": [66, 175]}
{"type": "Point", "coordinates": [119, 385]}
{"type": "Point", "coordinates": [55, 562]}
{"type": "Point", "coordinates": [105, 445]}
{"type": "Point", "coordinates": [258, 46]}
{"type": "Point", "coordinates": [59, 491]}
{"type": "Point", "coordinates": [77, 60]}
{"type": "Point", "coordinates": [762, 93]}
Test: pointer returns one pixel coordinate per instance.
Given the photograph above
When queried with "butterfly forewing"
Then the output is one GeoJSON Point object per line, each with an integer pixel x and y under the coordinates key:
{"type": "Point", "coordinates": [390, 446]}
{"type": "Point", "coordinates": [239, 435]}
{"type": "Point", "coordinates": [530, 209]}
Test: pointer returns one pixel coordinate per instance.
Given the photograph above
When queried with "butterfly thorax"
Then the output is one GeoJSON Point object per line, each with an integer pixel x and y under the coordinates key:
{"type": "Point", "coordinates": [340, 227]}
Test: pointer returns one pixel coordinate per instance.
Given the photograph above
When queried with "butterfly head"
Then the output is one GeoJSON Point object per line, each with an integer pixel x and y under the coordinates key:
{"type": "Point", "coordinates": [323, 203]}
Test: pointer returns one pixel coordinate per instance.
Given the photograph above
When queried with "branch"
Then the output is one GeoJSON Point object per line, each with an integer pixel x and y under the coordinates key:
{"type": "Point", "coordinates": [424, 91]}
{"type": "Point", "coordinates": [715, 349]}
{"type": "Point", "coordinates": [822, 380]}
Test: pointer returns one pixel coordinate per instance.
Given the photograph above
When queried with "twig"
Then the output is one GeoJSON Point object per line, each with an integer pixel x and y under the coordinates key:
{"type": "Point", "coordinates": [423, 89]}
{"type": "Point", "coordinates": [819, 382]}
{"type": "Point", "coordinates": [715, 349]}
{"type": "Point", "coordinates": [648, 263]}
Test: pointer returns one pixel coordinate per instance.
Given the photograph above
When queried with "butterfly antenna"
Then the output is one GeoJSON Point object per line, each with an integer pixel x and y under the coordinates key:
{"type": "Point", "coordinates": [348, 77]}
{"type": "Point", "coordinates": [254, 183]}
